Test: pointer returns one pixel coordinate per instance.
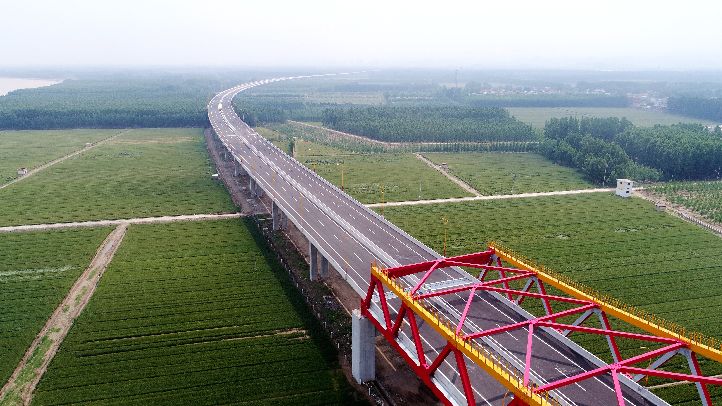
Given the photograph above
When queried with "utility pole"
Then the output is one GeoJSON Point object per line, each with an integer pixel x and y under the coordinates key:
{"type": "Point", "coordinates": [341, 166]}
{"type": "Point", "coordinates": [382, 200]}
{"type": "Point", "coordinates": [445, 221]}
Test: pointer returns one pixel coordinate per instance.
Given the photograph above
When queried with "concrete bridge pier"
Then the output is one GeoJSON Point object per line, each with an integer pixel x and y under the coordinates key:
{"type": "Point", "coordinates": [324, 267]}
{"type": "Point", "coordinates": [363, 348]}
{"type": "Point", "coordinates": [280, 221]}
{"type": "Point", "coordinates": [238, 170]}
{"type": "Point", "coordinates": [313, 262]}
{"type": "Point", "coordinates": [253, 187]}
{"type": "Point", "coordinates": [316, 272]}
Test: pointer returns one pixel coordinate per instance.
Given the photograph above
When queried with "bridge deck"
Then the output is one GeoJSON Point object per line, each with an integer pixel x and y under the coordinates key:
{"type": "Point", "coordinates": [351, 237]}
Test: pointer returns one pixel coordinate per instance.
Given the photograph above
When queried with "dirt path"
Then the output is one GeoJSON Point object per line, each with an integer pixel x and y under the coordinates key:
{"type": "Point", "coordinates": [103, 223]}
{"type": "Point", "coordinates": [61, 159]}
{"type": "Point", "coordinates": [678, 383]}
{"type": "Point", "coordinates": [491, 197]}
{"type": "Point", "coordinates": [681, 211]}
{"type": "Point", "coordinates": [19, 388]}
{"type": "Point", "coordinates": [340, 134]}
{"type": "Point", "coordinates": [446, 173]}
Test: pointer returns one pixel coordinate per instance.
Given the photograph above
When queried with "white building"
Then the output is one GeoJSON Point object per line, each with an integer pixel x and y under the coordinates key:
{"type": "Point", "coordinates": [624, 187]}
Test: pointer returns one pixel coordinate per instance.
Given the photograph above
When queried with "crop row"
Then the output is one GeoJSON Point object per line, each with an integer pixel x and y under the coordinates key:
{"type": "Point", "coordinates": [704, 198]}
{"type": "Point", "coordinates": [506, 173]}
{"type": "Point", "coordinates": [145, 172]}
{"type": "Point", "coordinates": [187, 309]}
{"type": "Point", "coordinates": [36, 271]}
{"type": "Point", "coordinates": [621, 247]}
{"type": "Point", "coordinates": [29, 149]}
{"type": "Point", "coordinates": [374, 178]}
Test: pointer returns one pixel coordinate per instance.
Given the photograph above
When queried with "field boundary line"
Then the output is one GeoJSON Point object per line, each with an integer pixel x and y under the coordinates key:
{"type": "Point", "coordinates": [446, 173]}
{"type": "Point", "coordinates": [678, 383]}
{"type": "Point", "coordinates": [21, 385]}
{"type": "Point", "coordinates": [104, 223]}
{"type": "Point", "coordinates": [682, 212]}
{"type": "Point", "coordinates": [389, 146]}
{"type": "Point", "coordinates": [348, 135]}
{"type": "Point", "coordinates": [63, 158]}
{"type": "Point", "coordinates": [490, 197]}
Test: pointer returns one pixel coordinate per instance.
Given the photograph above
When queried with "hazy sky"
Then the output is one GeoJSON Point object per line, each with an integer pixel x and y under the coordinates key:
{"type": "Point", "coordinates": [627, 34]}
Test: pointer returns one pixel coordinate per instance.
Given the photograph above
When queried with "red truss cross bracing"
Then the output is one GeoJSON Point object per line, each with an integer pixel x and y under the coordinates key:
{"type": "Point", "coordinates": [489, 264]}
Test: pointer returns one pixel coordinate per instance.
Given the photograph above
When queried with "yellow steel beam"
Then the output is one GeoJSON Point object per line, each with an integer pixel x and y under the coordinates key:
{"type": "Point", "coordinates": [705, 346]}
{"type": "Point", "coordinates": [478, 355]}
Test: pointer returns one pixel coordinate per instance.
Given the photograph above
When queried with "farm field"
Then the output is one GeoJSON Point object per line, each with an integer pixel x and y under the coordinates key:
{"type": "Point", "coordinates": [144, 172]}
{"type": "Point", "coordinates": [194, 313]}
{"type": "Point", "coordinates": [509, 173]}
{"type": "Point", "coordinates": [369, 98]}
{"type": "Point", "coordinates": [621, 247]}
{"type": "Point", "coordinates": [401, 176]}
{"type": "Point", "coordinates": [704, 198]}
{"type": "Point", "coordinates": [36, 271]}
{"type": "Point", "coordinates": [278, 139]}
{"type": "Point", "coordinates": [29, 149]}
{"type": "Point", "coordinates": [537, 116]}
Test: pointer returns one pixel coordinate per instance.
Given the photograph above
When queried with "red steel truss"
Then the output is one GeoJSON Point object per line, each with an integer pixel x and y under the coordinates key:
{"type": "Point", "coordinates": [489, 262]}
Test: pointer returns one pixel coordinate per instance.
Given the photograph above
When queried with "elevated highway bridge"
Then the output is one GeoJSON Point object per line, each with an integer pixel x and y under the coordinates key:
{"type": "Point", "coordinates": [346, 237]}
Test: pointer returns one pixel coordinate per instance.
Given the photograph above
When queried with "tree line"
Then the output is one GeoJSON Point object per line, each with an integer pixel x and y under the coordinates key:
{"type": "Point", "coordinates": [429, 124]}
{"type": "Point", "coordinates": [108, 103]}
{"type": "Point", "coordinates": [700, 107]}
{"type": "Point", "coordinates": [608, 148]}
{"type": "Point", "coordinates": [680, 151]}
{"type": "Point", "coordinates": [585, 145]}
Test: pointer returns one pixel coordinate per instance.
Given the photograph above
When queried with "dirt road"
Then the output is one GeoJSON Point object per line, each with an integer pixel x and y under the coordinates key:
{"type": "Point", "coordinates": [682, 212]}
{"type": "Point", "coordinates": [491, 197]}
{"type": "Point", "coordinates": [19, 388]}
{"type": "Point", "coordinates": [446, 173]}
{"type": "Point", "coordinates": [104, 223]}
{"type": "Point", "coordinates": [61, 159]}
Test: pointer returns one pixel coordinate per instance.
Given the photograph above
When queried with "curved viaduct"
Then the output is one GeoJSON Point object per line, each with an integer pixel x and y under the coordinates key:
{"type": "Point", "coordinates": [346, 237]}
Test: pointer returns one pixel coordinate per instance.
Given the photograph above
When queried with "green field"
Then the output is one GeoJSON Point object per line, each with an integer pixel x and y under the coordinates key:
{"type": "Point", "coordinates": [704, 198]}
{"type": "Point", "coordinates": [401, 177]}
{"type": "Point", "coordinates": [276, 138]}
{"type": "Point", "coordinates": [622, 247]}
{"type": "Point", "coordinates": [509, 173]}
{"type": "Point", "coordinates": [29, 149]}
{"type": "Point", "coordinates": [36, 272]}
{"type": "Point", "coordinates": [194, 313]}
{"type": "Point", "coordinates": [145, 172]}
{"type": "Point", "coordinates": [537, 116]}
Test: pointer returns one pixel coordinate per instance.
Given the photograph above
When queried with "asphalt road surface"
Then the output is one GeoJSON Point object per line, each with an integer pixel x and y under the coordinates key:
{"type": "Point", "coordinates": [351, 236]}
